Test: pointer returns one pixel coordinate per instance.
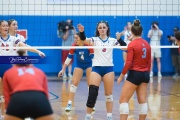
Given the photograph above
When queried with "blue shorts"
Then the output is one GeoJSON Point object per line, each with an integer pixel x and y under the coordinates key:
{"type": "Point", "coordinates": [4, 68]}
{"type": "Point", "coordinates": [102, 70]}
{"type": "Point", "coordinates": [84, 66]}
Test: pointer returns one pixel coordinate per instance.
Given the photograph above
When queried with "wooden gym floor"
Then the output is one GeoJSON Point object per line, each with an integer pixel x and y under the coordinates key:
{"type": "Point", "coordinates": [163, 100]}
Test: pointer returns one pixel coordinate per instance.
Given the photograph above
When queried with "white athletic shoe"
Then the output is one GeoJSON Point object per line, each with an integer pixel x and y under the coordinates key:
{"type": "Point", "coordinates": [109, 118]}
{"type": "Point", "coordinates": [70, 75]}
{"type": "Point", "coordinates": [87, 118]}
{"type": "Point", "coordinates": [151, 74]}
{"type": "Point", "coordinates": [64, 76]}
{"type": "Point", "coordinates": [68, 107]}
{"type": "Point", "coordinates": [159, 74]}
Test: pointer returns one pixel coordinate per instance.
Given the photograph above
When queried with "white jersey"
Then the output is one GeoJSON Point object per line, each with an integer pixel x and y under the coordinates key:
{"type": "Point", "coordinates": [10, 42]}
{"type": "Point", "coordinates": [103, 56]}
{"type": "Point", "coordinates": [21, 38]}
{"type": "Point", "coordinates": [155, 41]}
{"type": "Point", "coordinates": [126, 34]}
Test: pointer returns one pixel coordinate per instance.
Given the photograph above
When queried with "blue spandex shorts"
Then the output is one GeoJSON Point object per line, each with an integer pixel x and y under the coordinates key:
{"type": "Point", "coordinates": [102, 70]}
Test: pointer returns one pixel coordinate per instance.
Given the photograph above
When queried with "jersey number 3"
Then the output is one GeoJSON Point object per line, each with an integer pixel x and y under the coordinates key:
{"type": "Point", "coordinates": [144, 52]}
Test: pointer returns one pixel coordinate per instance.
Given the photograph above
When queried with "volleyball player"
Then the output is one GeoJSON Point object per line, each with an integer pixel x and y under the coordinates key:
{"type": "Point", "coordinates": [127, 38]}
{"type": "Point", "coordinates": [26, 93]}
{"type": "Point", "coordinates": [102, 67]}
{"type": "Point", "coordinates": [13, 27]}
{"type": "Point", "coordinates": [138, 63]}
{"type": "Point", "coordinates": [83, 62]}
{"type": "Point", "coordinates": [7, 40]}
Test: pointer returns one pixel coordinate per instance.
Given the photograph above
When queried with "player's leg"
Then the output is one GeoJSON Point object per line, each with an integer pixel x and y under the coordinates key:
{"type": "Point", "coordinates": [47, 117]}
{"type": "Point", "coordinates": [70, 70]}
{"type": "Point", "coordinates": [64, 56]}
{"type": "Point", "coordinates": [77, 75]}
{"type": "Point", "coordinates": [108, 80]}
{"type": "Point", "coordinates": [88, 73]}
{"type": "Point", "coordinates": [141, 92]}
{"type": "Point", "coordinates": [126, 93]}
{"type": "Point", "coordinates": [124, 58]}
{"type": "Point", "coordinates": [94, 83]}
{"type": "Point", "coordinates": [9, 117]}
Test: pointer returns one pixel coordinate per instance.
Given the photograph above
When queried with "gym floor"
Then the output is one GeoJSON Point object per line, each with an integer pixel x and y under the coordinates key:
{"type": "Point", "coordinates": [163, 100]}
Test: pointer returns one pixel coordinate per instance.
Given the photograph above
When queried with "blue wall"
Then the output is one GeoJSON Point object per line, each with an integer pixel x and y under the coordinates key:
{"type": "Point", "coordinates": [42, 31]}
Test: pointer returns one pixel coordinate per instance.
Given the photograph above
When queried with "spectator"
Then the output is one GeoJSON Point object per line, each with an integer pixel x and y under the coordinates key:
{"type": "Point", "coordinates": [175, 53]}
{"type": "Point", "coordinates": [67, 40]}
{"type": "Point", "coordinates": [155, 35]}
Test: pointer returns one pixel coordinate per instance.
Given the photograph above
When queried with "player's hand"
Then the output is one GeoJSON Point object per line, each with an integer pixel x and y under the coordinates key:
{"type": "Point", "coordinates": [41, 54]}
{"type": "Point", "coordinates": [80, 28]}
{"type": "Point", "coordinates": [156, 26]}
{"type": "Point", "coordinates": [60, 73]}
{"type": "Point", "coordinates": [120, 79]}
{"type": "Point", "coordinates": [118, 35]}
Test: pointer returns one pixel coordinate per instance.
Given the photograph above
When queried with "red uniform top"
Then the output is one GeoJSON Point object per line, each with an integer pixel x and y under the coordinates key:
{"type": "Point", "coordinates": [138, 56]}
{"type": "Point", "coordinates": [24, 78]}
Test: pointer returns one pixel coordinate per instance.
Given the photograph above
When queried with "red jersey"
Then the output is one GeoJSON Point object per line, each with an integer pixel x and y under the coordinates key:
{"type": "Point", "coordinates": [138, 56]}
{"type": "Point", "coordinates": [23, 78]}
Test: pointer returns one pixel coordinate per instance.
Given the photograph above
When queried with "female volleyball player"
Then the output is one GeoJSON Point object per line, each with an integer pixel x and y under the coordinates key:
{"type": "Point", "coordinates": [102, 67]}
{"type": "Point", "coordinates": [83, 62]}
{"type": "Point", "coordinates": [13, 27]}
{"type": "Point", "coordinates": [138, 63]}
{"type": "Point", "coordinates": [26, 93]}
{"type": "Point", "coordinates": [7, 40]}
{"type": "Point", "coordinates": [127, 38]}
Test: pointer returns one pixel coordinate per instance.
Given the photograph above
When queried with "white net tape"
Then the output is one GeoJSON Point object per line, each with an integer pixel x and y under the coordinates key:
{"type": "Point", "coordinates": [80, 47]}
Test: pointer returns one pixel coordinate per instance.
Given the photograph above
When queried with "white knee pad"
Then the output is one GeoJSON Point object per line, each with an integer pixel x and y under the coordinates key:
{"type": "Point", "coordinates": [1, 98]}
{"type": "Point", "coordinates": [143, 108]}
{"type": "Point", "coordinates": [73, 88]}
{"type": "Point", "coordinates": [124, 108]}
{"type": "Point", "coordinates": [109, 98]}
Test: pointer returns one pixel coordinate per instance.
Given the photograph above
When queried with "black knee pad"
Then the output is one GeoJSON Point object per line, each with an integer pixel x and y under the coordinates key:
{"type": "Point", "coordinates": [93, 93]}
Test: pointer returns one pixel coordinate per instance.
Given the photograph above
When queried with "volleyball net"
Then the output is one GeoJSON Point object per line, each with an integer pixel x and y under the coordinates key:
{"type": "Point", "coordinates": [41, 23]}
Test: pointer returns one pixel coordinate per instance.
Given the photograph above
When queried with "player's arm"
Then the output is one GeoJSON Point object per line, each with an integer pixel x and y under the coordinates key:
{"type": "Point", "coordinates": [129, 59]}
{"type": "Point", "coordinates": [66, 63]}
{"type": "Point", "coordinates": [6, 91]}
{"type": "Point", "coordinates": [121, 43]}
{"type": "Point", "coordinates": [87, 41]}
{"type": "Point", "coordinates": [29, 48]}
{"type": "Point", "coordinates": [127, 64]}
